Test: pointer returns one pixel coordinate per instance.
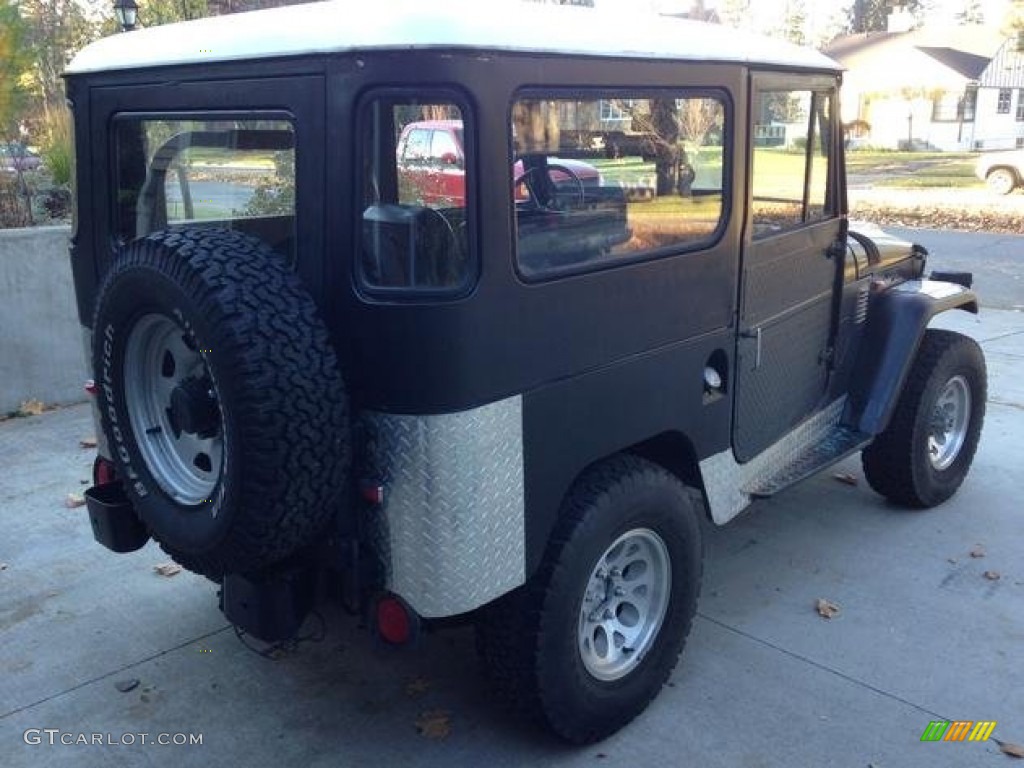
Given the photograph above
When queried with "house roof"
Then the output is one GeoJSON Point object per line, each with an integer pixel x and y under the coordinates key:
{"type": "Point", "coordinates": [967, 64]}
{"type": "Point", "coordinates": [965, 50]}
{"type": "Point", "coordinates": [497, 25]}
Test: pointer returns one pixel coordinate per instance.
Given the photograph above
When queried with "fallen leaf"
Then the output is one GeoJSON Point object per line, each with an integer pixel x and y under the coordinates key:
{"type": "Point", "coordinates": [845, 477]}
{"type": "Point", "coordinates": [417, 686]}
{"type": "Point", "coordinates": [952, 560]}
{"type": "Point", "coordinates": [434, 724]}
{"type": "Point", "coordinates": [127, 685]}
{"type": "Point", "coordinates": [87, 442]}
{"type": "Point", "coordinates": [74, 500]}
{"type": "Point", "coordinates": [167, 569]}
{"type": "Point", "coordinates": [978, 552]}
{"type": "Point", "coordinates": [3, 566]}
{"type": "Point", "coordinates": [1009, 748]}
{"type": "Point", "coordinates": [31, 407]}
{"type": "Point", "coordinates": [991, 575]}
{"type": "Point", "coordinates": [825, 608]}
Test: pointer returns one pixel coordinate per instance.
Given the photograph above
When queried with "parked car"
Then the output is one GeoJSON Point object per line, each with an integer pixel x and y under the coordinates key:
{"type": "Point", "coordinates": [432, 165]}
{"type": "Point", "coordinates": [17, 157]}
{"type": "Point", "coordinates": [472, 402]}
{"type": "Point", "coordinates": [1002, 171]}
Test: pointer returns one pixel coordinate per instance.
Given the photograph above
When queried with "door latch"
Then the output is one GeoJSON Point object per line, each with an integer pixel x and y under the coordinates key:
{"type": "Point", "coordinates": [754, 334]}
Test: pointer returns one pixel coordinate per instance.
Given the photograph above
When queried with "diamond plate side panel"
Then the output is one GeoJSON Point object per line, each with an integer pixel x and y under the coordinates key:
{"type": "Point", "coordinates": [729, 484]}
{"type": "Point", "coordinates": [451, 532]}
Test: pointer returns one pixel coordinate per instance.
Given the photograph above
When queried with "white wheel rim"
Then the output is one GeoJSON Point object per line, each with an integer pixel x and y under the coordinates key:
{"type": "Point", "coordinates": [624, 604]}
{"type": "Point", "coordinates": [951, 417]}
{"type": "Point", "coordinates": [158, 358]}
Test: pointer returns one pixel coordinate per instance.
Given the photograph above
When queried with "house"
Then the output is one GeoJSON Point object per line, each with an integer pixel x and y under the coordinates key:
{"type": "Point", "coordinates": [951, 88]}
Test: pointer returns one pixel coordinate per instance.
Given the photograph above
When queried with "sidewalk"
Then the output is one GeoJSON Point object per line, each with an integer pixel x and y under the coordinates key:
{"type": "Point", "coordinates": [922, 635]}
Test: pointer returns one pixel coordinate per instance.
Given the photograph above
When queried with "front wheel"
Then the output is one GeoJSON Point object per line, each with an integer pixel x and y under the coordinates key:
{"type": "Point", "coordinates": [923, 456]}
{"type": "Point", "coordinates": [589, 641]}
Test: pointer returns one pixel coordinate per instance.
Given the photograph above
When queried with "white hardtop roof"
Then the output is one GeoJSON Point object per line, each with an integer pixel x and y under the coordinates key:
{"type": "Point", "coordinates": [496, 25]}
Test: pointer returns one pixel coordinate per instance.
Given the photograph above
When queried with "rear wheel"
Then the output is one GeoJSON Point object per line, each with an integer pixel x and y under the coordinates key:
{"type": "Point", "coordinates": [923, 456]}
{"type": "Point", "coordinates": [589, 641]}
{"type": "Point", "coordinates": [1001, 181]}
{"type": "Point", "coordinates": [221, 399]}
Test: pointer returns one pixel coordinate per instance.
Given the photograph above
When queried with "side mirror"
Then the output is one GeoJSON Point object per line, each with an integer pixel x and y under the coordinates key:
{"type": "Point", "coordinates": [449, 158]}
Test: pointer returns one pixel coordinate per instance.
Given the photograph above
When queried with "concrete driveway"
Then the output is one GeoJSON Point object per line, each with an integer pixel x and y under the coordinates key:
{"type": "Point", "coordinates": [922, 635]}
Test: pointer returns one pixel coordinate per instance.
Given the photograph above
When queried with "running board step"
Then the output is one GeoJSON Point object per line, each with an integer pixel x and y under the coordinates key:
{"type": "Point", "coordinates": [836, 445]}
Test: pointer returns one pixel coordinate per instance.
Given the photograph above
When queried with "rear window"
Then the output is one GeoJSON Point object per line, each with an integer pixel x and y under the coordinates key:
{"type": "Point", "coordinates": [234, 174]}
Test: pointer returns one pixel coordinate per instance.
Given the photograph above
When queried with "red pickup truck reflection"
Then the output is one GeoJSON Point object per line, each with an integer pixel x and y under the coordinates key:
{"type": "Point", "coordinates": [432, 167]}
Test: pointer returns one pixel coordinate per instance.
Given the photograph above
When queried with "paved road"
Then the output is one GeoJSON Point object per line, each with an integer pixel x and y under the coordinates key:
{"type": "Point", "coordinates": [922, 635]}
{"type": "Point", "coordinates": [997, 261]}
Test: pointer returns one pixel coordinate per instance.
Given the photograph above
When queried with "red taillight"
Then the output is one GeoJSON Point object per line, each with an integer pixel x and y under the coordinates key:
{"type": "Point", "coordinates": [103, 471]}
{"type": "Point", "coordinates": [372, 492]}
{"type": "Point", "coordinates": [394, 622]}
{"type": "Point", "coordinates": [90, 386]}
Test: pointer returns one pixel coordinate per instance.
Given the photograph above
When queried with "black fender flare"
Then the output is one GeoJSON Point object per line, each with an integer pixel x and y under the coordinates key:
{"type": "Point", "coordinates": [897, 319]}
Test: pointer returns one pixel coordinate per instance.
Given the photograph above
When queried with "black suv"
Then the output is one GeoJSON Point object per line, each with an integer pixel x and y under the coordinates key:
{"type": "Point", "coordinates": [510, 404]}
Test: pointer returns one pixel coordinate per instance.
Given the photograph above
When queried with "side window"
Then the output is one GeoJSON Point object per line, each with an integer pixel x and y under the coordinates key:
{"type": "Point", "coordinates": [443, 150]}
{"type": "Point", "coordinates": [613, 177]}
{"type": "Point", "coordinates": [415, 146]}
{"type": "Point", "coordinates": [791, 160]}
{"type": "Point", "coordinates": [415, 215]}
{"type": "Point", "coordinates": [234, 174]}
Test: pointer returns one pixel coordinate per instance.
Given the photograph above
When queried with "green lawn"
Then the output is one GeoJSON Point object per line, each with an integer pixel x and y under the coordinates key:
{"type": "Point", "coordinates": [878, 160]}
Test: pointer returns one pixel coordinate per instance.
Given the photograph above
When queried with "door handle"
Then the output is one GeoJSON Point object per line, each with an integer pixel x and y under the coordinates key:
{"type": "Point", "coordinates": [754, 334]}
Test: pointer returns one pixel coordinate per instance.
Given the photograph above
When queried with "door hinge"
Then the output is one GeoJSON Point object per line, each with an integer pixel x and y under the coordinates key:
{"type": "Point", "coordinates": [837, 250]}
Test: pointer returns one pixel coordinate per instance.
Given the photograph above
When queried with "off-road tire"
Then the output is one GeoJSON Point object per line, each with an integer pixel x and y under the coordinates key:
{"type": "Point", "coordinates": [897, 463]}
{"type": "Point", "coordinates": [280, 396]}
{"type": "Point", "coordinates": [528, 640]}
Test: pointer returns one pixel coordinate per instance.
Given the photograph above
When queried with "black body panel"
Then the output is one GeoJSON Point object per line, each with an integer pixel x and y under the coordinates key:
{"type": "Point", "coordinates": [896, 324]}
{"type": "Point", "coordinates": [430, 355]}
{"type": "Point", "coordinates": [575, 422]}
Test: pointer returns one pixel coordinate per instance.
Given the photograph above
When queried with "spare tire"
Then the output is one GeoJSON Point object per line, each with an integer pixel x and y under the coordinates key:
{"type": "Point", "coordinates": [220, 397]}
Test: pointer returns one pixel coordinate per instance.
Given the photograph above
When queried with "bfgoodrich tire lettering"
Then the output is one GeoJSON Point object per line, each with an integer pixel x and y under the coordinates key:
{"type": "Point", "coordinates": [531, 640]}
{"type": "Point", "coordinates": [276, 402]}
{"type": "Point", "coordinates": [907, 463]}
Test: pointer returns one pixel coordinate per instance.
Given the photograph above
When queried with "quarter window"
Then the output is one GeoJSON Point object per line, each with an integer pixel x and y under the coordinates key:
{"type": "Point", "coordinates": [607, 179]}
{"type": "Point", "coordinates": [792, 154]}
{"type": "Point", "coordinates": [416, 187]}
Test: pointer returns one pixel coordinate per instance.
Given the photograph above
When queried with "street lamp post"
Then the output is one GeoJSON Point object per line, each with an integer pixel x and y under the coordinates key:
{"type": "Point", "coordinates": [127, 13]}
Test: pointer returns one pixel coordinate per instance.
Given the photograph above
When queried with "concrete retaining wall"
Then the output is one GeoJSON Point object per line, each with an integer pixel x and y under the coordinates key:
{"type": "Point", "coordinates": [41, 353]}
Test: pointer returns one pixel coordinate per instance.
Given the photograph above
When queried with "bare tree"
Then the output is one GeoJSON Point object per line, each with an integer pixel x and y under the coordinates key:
{"type": "Point", "coordinates": [697, 118]}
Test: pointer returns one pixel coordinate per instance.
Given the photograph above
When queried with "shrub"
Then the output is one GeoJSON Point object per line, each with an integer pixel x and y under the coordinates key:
{"type": "Point", "coordinates": [57, 147]}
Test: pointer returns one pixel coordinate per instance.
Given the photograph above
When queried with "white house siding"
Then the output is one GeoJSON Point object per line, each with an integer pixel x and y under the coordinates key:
{"type": "Point", "coordinates": [997, 131]}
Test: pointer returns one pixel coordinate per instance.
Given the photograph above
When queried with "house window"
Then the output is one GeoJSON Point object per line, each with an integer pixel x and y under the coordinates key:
{"type": "Point", "coordinates": [970, 104]}
{"type": "Point", "coordinates": [1020, 105]}
{"type": "Point", "coordinates": [1003, 105]}
{"type": "Point", "coordinates": [948, 108]}
{"type": "Point", "coordinates": [617, 110]}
